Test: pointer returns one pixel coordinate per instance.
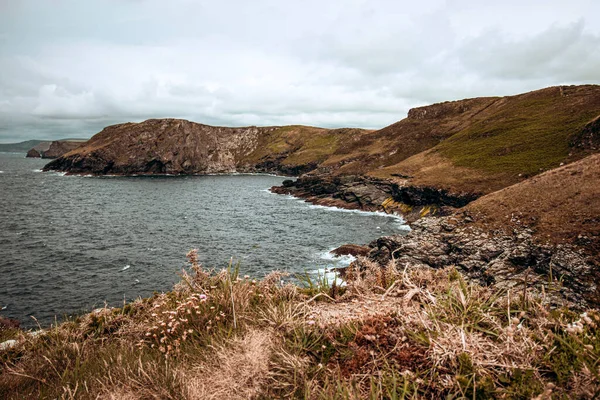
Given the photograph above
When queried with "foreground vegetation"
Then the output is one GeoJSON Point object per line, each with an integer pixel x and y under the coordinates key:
{"type": "Point", "coordinates": [390, 333]}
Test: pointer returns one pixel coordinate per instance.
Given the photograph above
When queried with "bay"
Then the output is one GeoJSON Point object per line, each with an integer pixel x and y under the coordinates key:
{"type": "Point", "coordinates": [72, 243]}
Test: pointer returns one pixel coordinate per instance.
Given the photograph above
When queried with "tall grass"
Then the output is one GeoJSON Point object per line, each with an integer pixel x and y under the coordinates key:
{"type": "Point", "coordinates": [391, 333]}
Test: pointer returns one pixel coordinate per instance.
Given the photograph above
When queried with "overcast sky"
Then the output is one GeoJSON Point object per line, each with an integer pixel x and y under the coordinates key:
{"type": "Point", "coordinates": [70, 67]}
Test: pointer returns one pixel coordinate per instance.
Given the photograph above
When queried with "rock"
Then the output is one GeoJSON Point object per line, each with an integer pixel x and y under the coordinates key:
{"type": "Point", "coordinates": [33, 153]}
{"type": "Point", "coordinates": [352, 250]}
{"type": "Point", "coordinates": [505, 261]}
{"type": "Point", "coordinates": [54, 149]}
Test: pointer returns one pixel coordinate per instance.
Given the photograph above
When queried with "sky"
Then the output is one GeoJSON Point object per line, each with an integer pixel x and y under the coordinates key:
{"type": "Point", "coordinates": [70, 67]}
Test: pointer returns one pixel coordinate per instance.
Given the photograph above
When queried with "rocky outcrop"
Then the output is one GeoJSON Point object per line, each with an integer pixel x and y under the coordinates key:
{"type": "Point", "coordinates": [359, 192]}
{"type": "Point", "coordinates": [351, 250]}
{"type": "Point", "coordinates": [33, 153]}
{"type": "Point", "coordinates": [53, 149]}
{"type": "Point", "coordinates": [163, 146]}
{"type": "Point", "coordinates": [508, 261]}
{"type": "Point", "coordinates": [589, 137]}
{"type": "Point", "coordinates": [38, 150]}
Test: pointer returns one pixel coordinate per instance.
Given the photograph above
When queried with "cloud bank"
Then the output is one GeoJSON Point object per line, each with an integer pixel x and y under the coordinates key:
{"type": "Point", "coordinates": [69, 68]}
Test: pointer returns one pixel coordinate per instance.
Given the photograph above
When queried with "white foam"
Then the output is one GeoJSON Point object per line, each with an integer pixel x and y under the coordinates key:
{"type": "Point", "coordinates": [1, 172]}
{"type": "Point", "coordinates": [36, 170]}
{"type": "Point", "coordinates": [126, 267]}
{"type": "Point", "coordinates": [344, 260]}
{"type": "Point", "coordinates": [397, 217]}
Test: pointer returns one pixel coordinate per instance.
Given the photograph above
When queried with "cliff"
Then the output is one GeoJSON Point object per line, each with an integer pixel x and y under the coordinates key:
{"type": "Point", "coordinates": [173, 146]}
{"type": "Point", "coordinates": [54, 149]}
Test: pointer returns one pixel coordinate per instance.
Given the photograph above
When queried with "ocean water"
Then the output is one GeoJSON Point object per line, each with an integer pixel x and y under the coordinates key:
{"type": "Point", "coordinates": [73, 243]}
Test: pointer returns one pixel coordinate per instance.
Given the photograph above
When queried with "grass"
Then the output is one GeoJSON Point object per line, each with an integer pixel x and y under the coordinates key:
{"type": "Point", "coordinates": [523, 138]}
{"type": "Point", "coordinates": [391, 333]}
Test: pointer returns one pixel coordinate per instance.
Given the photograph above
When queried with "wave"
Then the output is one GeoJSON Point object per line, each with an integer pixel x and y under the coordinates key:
{"type": "Point", "coordinates": [337, 260]}
{"type": "Point", "coordinates": [126, 267]}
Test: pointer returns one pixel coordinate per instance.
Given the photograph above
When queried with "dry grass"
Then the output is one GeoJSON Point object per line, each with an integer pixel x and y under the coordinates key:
{"type": "Point", "coordinates": [394, 332]}
{"type": "Point", "coordinates": [559, 205]}
{"type": "Point", "coordinates": [239, 370]}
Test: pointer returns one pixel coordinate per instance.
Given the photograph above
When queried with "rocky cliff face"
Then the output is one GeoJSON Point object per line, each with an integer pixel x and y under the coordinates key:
{"type": "Point", "coordinates": [166, 146]}
{"type": "Point", "coordinates": [364, 193]}
{"type": "Point", "coordinates": [39, 149]}
{"type": "Point", "coordinates": [507, 261]}
{"type": "Point", "coordinates": [53, 149]}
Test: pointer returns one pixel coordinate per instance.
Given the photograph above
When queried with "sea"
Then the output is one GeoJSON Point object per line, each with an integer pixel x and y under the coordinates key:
{"type": "Point", "coordinates": [69, 244]}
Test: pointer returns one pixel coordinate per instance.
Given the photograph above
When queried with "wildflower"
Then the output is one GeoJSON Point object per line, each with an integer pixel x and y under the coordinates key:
{"type": "Point", "coordinates": [574, 328]}
{"type": "Point", "coordinates": [202, 297]}
{"type": "Point", "coordinates": [190, 330]}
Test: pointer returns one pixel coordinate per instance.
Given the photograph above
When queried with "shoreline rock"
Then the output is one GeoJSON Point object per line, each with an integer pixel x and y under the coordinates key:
{"type": "Point", "coordinates": [370, 194]}
{"type": "Point", "coordinates": [506, 261]}
{"type": "Point", "coordinates": [354, 250]}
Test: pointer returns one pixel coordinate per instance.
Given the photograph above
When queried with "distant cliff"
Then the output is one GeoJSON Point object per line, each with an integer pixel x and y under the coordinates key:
{"type": "Point", "coordinates": [54, 149]}
{"type": "Point", "coordinates": [175, 146]}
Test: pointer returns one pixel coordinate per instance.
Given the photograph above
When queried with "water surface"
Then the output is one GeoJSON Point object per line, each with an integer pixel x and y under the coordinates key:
{"type": "Point", "coordinates": [71, 243]}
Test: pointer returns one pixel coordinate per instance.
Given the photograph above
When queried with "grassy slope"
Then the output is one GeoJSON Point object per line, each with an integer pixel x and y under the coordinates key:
{"type": "Point", "coordinates": [221, 336]}
{"type": "Point", "coordinates": [298, 145]}
{"type": "Point", "coordinates": [514, 138]}
{"type": "Point", "coordinates": [560, 205]}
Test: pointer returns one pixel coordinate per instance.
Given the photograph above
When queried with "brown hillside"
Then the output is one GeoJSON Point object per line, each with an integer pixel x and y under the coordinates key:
{"type": "Point", "coordinates": [515, 137]}
{"type": "Point", "coordinates": [561, 205]}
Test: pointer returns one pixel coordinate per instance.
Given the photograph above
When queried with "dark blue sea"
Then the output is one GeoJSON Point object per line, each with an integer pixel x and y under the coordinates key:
{"type": "Point", "coordinates": [72, 243]}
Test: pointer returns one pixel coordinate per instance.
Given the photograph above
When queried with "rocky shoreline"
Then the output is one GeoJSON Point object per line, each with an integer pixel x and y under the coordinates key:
{"type": "Point", "coordinates": [562, 274]}
{"type": "Point", "coordinates": [372, 194]}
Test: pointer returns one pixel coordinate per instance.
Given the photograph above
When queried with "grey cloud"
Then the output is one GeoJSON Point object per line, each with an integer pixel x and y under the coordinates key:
{"type": "Point", "coordinates": [70, 67]}
{"type": "Point", "coordinates": [560, 52]}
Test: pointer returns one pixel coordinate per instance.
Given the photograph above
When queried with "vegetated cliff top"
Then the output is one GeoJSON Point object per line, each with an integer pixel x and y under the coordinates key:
{"type": "Point", "coordinates": [476, 145]}
{"type": "Point", "coordinates": [490, 143]}
{"type": "Point", "coordinates": [561, 205]}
